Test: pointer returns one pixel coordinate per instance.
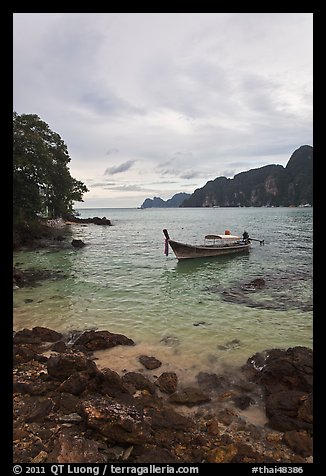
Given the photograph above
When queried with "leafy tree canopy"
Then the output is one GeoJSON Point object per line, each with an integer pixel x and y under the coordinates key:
{"type": "Point", "coordinates": [42, 184]}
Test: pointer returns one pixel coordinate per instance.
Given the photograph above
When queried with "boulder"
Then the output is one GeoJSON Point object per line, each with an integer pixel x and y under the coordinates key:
{"type": "Point", "coordinates": [138, 382]}
{"type": "Point", "coordinates": [72, 448]}
{"type": "Point", "coordinates": [63, 366]}
{"type": "Point", "coordinates": [98, 340]}
{"type": "Point", "coordinates": [77, 243]}
{"type": "Point", "coordinates": [119, 423]}
{"type": "Point", "coordinates": [167, 382]}
{"type": "Point", "coordinates": [189, 396]}
{"type": "Point", "coordinates": [36, 336]}
{"type": "Point", "coordinates": [150, 363]}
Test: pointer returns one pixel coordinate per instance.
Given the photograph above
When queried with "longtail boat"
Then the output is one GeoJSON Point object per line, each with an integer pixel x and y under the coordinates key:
{"type": "Point", "coordinates": [214, 245]}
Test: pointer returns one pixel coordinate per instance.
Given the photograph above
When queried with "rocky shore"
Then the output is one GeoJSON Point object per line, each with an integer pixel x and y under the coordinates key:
{"type": "Point", "coordinates": [67, 410]}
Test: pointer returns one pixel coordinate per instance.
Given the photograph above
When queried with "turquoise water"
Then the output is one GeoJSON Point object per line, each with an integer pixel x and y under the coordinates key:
{"type": "Point", "coordinates": [197, 313]}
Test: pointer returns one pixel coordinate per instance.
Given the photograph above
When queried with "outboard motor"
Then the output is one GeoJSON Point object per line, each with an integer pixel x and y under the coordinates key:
{"type": "Point", "coordinates": [245, 237]}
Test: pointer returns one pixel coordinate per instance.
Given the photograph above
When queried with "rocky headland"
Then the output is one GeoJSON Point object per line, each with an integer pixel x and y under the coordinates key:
{"type": "Point", "coordinates": [68, 410]}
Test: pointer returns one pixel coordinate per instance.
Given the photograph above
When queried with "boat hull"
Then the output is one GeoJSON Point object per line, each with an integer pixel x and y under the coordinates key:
{"type": "Point", "coordinates": [185, 251]}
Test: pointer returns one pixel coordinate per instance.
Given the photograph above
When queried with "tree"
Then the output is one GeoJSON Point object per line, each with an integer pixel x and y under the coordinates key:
{"type": "Point", "coordinates": [42, 184]}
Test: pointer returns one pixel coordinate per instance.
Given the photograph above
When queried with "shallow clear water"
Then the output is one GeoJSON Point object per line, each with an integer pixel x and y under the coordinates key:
{"type": "Point", "coordinates": [196, 314]}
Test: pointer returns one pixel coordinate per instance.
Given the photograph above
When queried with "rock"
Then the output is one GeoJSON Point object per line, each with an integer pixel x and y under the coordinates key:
{"type": "Point", "coordinates": [26, 353]}
{"type": "Point", "coordinates": [119, 423]}
{"type": "Point", "coordinates": [138, 381]}
{"type": "Point", "coordinates": [156, 455]}
{"type": "Point", "coordinates": [98, 340]}
{"type": "Point", "coordinates": [189, 396]}
{"type": "Point", "coordinates": [75, 384]}
{"type": "Point", "coordinates": [255, 284]}
{"type": "Point", "coordinates": [41, 457]}
{"type": "Point", "coordinates": [167, 382]}
{"type": "Point", "coordinates": [149, 362]}
{"type": "Point", "coordinates": [283, 410]}
{"type": "Point", "coordinates": [94, 220]}
{"type": "Point", "coordinates": [243, 401]}
{"type": "Point", "coordinates": [109, 383]}
{"type": "Point", "coordinates": [299, 441]}
{"type": "Point", "coordinates": [287, 378]}
{"type": "Point", "coordinates": [77, 243]}
{"type": "Point", "coordinates": [222, 454]}
{"type": "Point", "coordinates": [62, 366]}
{"type": "Point", "coordinates": [36, 336]}
{"type": "Point", "coordinates": [212, 382]}
{"type": "Point", "coordinates": [71, 448]}
{"type": "Point", "coordinates": [167, 418]}
{"type": "Point", "coordinates": [279, 370]}
{"type": "Point", "coordinates": [66, 403]}
{"type": "Point", "coordinates": [59, 347]}
{"type": "Point", "coordinates": [41, 410]}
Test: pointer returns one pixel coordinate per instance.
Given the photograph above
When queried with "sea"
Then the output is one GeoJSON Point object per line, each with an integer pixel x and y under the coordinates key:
{"type": "Point", "coordinates": [194, 315]}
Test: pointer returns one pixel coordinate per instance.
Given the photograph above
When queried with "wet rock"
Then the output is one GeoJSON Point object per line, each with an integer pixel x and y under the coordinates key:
{"type": "Point", "coordinates": [117, 422]}
{"type": "Point", "coordinates": [170, 341]}
{"type": "Point", "coordinates": [149, 362]}
{"type": "Point", "coordinates": [60, 347]}
{"type": "Point", "coordinates": [33, 277]}
{"type": "Point", "coordinates": [62, 366]}
{"type": "Point", "coordinates": [167, 382]}
{"type": "Point", "coordinates": [232, 344]}
{"type": "Point", "coordinates": [77, 243]}
{"type": "Point", "coordinates": [138, 382]}
{"type": "Point", "coordinates": [36, 336]}
{"type": "Point", "coordinates": [212, 382]}
{"type": "Point", "coordinates": [299, 441]}
{"type": "Point", "coordinates": [253, 285]}
{"type": "Point", "coordinates": [109, 383]}
{"type": "Point", "coordinates": [279, 370]}
{"type": "Point", "coordinates": [26, 353]}
{"type": "Point", "coordinates": [71, 448]}
{"type": "Point", "coordinates": [94, 220]}
{"type": "Point", "coordinates": [98, 340]}
{"type": "Point", "coordinates": [189, 396]}
{"type": "Point", "coordinates": [243, 401]}
{"type": "Point", "coordinates": [283, 410]}
{"type": "Point", "coordinates": [167, 418]}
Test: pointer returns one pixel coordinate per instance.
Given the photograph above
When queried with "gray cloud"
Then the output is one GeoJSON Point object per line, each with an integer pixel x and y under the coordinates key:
{"type": "Point", "coordinates": [111, 151]}
{"type": "Point", "coordinates": [117, 169]}
{"type": "Point", "coordinates": [186, 96]}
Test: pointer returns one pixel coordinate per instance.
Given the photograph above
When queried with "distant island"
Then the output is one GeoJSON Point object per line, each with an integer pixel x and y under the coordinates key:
{"type": "Point", "coordinates": [268, 186]}
{"type": "Point", "coordinates": [271, 185]}
{"type": "Point", "coordinates": [158, 202]}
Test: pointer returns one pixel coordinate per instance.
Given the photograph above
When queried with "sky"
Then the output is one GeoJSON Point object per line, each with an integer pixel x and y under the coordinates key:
{"type": "Point", "coordinates": [152, 104]}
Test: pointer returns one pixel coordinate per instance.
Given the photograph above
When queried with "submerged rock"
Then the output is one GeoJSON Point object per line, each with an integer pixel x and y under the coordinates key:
{"type": "Point", "coordinates": [189, 396]}
{"type": "Point", "coordinates": [77, 243]}
{"type": "Point", "coordinates": [150, 363]}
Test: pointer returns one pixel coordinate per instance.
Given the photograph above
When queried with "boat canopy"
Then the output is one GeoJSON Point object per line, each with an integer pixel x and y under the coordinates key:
{"type": "Point", "coordinates": [222, 237]}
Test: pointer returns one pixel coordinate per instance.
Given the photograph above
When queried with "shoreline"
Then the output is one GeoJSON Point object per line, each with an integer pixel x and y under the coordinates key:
{"type": "Point", "coordinates": [64, 383]}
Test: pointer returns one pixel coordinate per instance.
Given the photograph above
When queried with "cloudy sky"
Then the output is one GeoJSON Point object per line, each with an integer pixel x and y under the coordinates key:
{"type": "Point", "coordinates": [151, 104]}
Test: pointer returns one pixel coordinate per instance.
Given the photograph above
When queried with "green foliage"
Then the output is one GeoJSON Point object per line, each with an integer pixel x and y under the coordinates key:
{"type": "Point", "coordinates": [42, 184]}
